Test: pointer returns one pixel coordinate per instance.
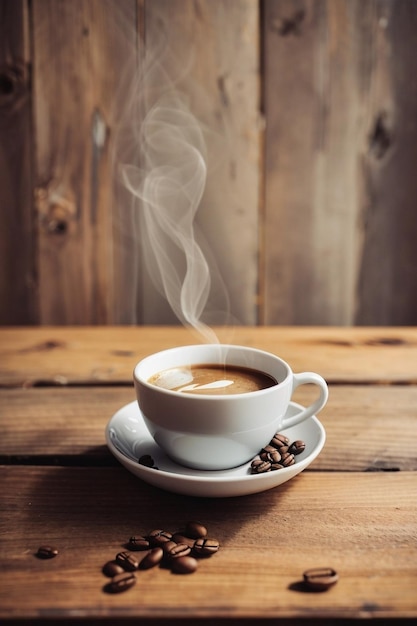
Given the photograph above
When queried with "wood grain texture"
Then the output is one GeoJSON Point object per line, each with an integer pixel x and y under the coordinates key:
{"type": "Point", "coordinates": [388, 273]}
{"type": "Point", "coordinates": [107, 355]}
{"type": "Point", "coordinates": [339, 99]}
{"type": "Point", "coordinates": [18, 296]}
{"type": "Point", "coordinates": [210, 53]}
{"type": "Point", "coordinates": [354, 508]}
{"type": "Point", "coordinates": [345, 523]}
{"type": "Point", "coordinates": [367, 428]}
{"type": "Point", "coordinates": [79, 56]}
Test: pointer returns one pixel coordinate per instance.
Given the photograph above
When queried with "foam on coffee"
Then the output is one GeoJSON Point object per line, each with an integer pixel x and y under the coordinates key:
{"type": "Point", "coordinates": [213, 379]}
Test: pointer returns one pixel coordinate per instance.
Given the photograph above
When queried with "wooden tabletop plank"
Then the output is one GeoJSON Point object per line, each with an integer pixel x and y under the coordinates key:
{"type": "Point", "coordinates": [81, 355]}
{"type": "Point", "coordinates": [51, 425]}
{"type": "Point", "coordinates": [363, 529]}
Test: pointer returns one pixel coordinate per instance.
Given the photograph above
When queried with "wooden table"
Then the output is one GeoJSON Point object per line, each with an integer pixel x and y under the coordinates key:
{"type": "Point", "coordinates": [354, 508]}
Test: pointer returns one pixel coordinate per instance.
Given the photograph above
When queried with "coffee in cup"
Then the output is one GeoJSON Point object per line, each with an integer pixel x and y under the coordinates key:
{"type": "Point", "coordinates": [212, 379]}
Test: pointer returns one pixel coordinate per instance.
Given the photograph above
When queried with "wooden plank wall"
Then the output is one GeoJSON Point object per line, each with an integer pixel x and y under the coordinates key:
{"type": "Point", "coordinates": [309, 203]}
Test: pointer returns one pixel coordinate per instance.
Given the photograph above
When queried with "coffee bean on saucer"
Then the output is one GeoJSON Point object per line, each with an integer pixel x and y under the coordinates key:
{"type": "Point", "coordinates": [279, 440]}
{"type": "Point", "coordinates": [268, 449]}
{"type": "Point", "coordinates": [283, 450]}
{"type": "Point", "coordinates": [287, 459]}
{"type": "Point", "coordinates": [128, 561]}
{"type": "Point", "coordinates": [153, 558]}
{"type": "Point", "coordinates": [46, 552]}
{"type": "Point", "coordinates": [205, 547]}
{"type": "Point", "coordinates": [320, 578]}
{"type": "Point", "coordinates": [121, 582]}
{"type": "Point", "coordinates": [276, 466]}
{"type": "Point", "coordinates": [184, 565]}
{"type": "Point", "coordinates": [112, 568]}
{"type": "Point", "coordinates": [195, 530]}
{"type": "Point", "coordinates": [271, 457]}
{"type": "Point", "coordinates": [146, 460]}
{"type": "Point", "coordinates": [260, 467]}
{"type": "Point", "coordinates": [138, 543]}
{"type": "Point", "coordinates": [297, 447]}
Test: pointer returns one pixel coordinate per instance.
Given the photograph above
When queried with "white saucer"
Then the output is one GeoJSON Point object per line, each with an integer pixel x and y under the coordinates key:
{"type": "Point", "coordinates": [128, 439]}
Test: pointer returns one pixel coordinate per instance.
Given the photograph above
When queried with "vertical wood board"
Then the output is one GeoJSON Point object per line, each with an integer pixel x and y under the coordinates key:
{"type": "Point", "coordinates": [313, 105]}
{"type": "Point", "coordinates": [18, 294]}
{"type": "Point", "coordinates": [387, 291]}
{"type": "Point", "coordinates": [214, 49]}
{"type": "Point", "coordinates": [339, 84]}
{"type": "Point", "coordinates": [79, 52]}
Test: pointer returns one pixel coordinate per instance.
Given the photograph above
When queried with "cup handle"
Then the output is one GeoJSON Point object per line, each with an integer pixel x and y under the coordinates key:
{"type": "Point", "coordinates": [303, 379]}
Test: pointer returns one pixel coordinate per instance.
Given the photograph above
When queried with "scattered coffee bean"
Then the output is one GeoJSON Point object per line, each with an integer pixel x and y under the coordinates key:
{"type": "Point", "coordinates": [166, 547]}
{"type": "Point", "coordinates": [112, 568]}
{"type": "Point", "coordinates": [195, 530]}
{"type": "Point", "coordinates": [320, 578]}
{"type": "Point", "coordinates": [297, 447]}
{"type": "Point", "coordinates": [128, 561]}
{"type": "Point", "coordinates": [121, 582]}
{"type": "Point", "coordinates": [146, 460]}
{"type": "Point", "coordinates": [180, 538]}
{"type": "Point", "coordinates": [158, 537]}
{"type": "Point", "coordinates": [184, 565]}
{"type": "Point", "coordinates": [205, 547]}
{"type": "Point", "coordinates": [276, 466]}
{"type": "Point", "coordinates": [154, 557]}
{"type": "Point", "coordinates": [138, 543]}
{"type": "Point", "coordinates": [178, 550]}
{"type": "Point", "coordinates": [46, 552]}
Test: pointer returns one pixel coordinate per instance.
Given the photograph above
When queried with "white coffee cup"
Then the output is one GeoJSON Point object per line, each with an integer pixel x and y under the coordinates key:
{"type": "Point", "coordinates": [217, 432]}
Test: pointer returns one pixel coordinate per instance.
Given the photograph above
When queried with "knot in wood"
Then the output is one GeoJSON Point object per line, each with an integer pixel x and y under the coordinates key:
{"type": "Point", "coordinates": [12, 85]}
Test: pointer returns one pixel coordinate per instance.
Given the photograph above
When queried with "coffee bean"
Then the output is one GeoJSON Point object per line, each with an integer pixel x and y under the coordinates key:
{"type": "Point", "coordinates": [283, 450]}
{"type": "Point", "coordinates": [260, 467]}
{"type": "Point", "coordinates": [46, 552]}
{"type": "Point", "coordinates": [138, 543]}
{"type": "Point", "coordinates": [180, 538]}
{"type": "Point", "coordinates": [271, 457]}
{"type": "Point", "coordinates": [195, 530]}
{"type": "Point", "coordinates": [128, 561]}
{"type": "Point", "coordinates": [121, 582]}
{"type": "Point", "coordinates": [184, 565]}
{"type": "Point", "coordinates": [146, 460]}
{"type": "Point", "coordinates": [152, 558]}
{"type": "Point", "coordinates": [268, 449]}
{"type": "Point", "coordinates": [178, 550]}
{"type": "Point", "coordinates": [205, 547]}
{"type": "Point", "coordinates": [297, 447]}
{"type": "Point", "coordinates": [287, 459]}
{"type": "Point", "coordinates": [112, 568]}
{"type": "Point", "coordinates": [279, 440]}
{"type": "Point", "coordinates": [158, 537]}
{"type": "Point", "coordinates": [276, 466]}
{"type": "Point", "coordinates": [166, 547]}
{"type": "Point", "coordinates": [320, 578]}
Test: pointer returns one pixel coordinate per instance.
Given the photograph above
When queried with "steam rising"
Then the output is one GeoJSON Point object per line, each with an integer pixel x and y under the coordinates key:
{"type": "Point", "coordinates": [166, 173]}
